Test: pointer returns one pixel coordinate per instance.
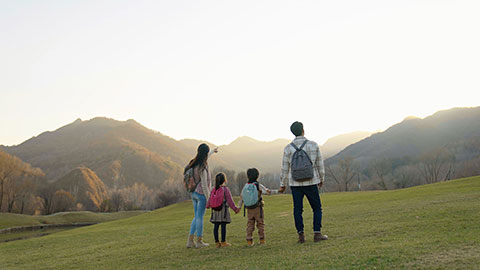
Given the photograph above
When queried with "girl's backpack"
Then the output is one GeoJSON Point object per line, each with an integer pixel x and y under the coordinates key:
{"type": "Point", "coordinates": [250, 195]}
{"type": "Point", "coordinates": [217, 199]}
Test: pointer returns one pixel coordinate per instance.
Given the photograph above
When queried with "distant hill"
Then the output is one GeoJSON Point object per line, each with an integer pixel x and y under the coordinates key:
{"type": "Point", "coordinates": [336, 144]}
{"type": "Point", "coordinates": [246, 152]}
{"type": "Point", "coordinates": [85, 186]}
{"type": "Point", "coordinates": [414, 136]}
{"type": "Point", "coordinates": [119, 152]}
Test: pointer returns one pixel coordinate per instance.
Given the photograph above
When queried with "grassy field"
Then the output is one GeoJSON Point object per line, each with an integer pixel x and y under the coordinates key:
{"type": "Point", "coordinates": [427, 227]}
{"type": "Point", "coordinates": [8, 220]}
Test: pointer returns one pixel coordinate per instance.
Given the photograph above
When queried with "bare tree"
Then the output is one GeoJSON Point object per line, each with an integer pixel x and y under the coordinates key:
{"type": "Point", "coordinates": [62, 201]}
{"type": "Point", "coordinates": [241, 180]}
{"type": "Point", "coordinates": [433, 163]}
{"type": "Point", "coordinates": [381, 168]}
{"type": "Point", "coordinates": [343, 174]}
{"type": "Point", "coordinates": [46, 193]}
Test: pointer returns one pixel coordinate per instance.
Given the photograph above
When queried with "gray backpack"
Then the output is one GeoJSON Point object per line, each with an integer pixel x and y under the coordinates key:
{"type": "Point", "coordinates": [301, 165]}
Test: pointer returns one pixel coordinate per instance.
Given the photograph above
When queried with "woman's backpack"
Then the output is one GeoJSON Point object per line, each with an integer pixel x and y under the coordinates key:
{"type": "Point", "coordinates": [217, 199]}
{"type": "Point", "coordinates": [189, 180]}
{"type": "Point", "coordinates": [250, 195]}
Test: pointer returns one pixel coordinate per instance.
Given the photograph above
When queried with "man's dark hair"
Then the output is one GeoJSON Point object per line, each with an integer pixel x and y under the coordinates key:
{"type": "Point", "coordinates": [252, 174]}
{"type": "Point", "coordinates": [297, 128]}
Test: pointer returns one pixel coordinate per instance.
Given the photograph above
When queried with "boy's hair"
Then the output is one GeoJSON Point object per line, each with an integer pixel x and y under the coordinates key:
{"type": "Point", "coordinates": [252, 174]}
{"type": "Point", "coordinates": [219, 180]}
{"type": "Point", "coordinates": [296, 128]}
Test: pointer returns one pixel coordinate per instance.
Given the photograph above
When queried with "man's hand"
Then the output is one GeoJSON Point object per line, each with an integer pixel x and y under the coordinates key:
{"type": "Point", "coordinates": [268, 192]}
{"type": "Point", "coordinates": [215, 150]}
{"type": "Point", "coordinates": [320, 185]}
{"type": "Point", "coordinates": [282, 189]}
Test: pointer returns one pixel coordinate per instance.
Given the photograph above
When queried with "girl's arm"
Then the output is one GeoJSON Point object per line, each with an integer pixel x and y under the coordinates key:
{"type": "Point", "coordinates": [230, 201]}
{"type": "Point", "coordinates": [240, 203]}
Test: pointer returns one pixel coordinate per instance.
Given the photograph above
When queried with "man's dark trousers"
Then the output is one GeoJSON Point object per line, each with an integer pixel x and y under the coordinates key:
{"type": "Point", "coordinates": [314, 199]}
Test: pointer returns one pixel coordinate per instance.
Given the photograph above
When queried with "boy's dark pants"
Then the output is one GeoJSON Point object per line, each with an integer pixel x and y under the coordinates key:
{"type": "Point", "coordinates": [255, 215]}
{"type": "Point", "coordinates": [314, 199]}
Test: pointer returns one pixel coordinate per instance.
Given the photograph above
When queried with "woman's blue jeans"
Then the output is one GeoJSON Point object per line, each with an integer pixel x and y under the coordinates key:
{"type": "Point", "coordinates": [199, 204]}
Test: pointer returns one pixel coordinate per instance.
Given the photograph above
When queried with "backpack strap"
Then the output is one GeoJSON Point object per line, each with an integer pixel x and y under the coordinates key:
{"type": "Point", "coordinates": [301, 147]}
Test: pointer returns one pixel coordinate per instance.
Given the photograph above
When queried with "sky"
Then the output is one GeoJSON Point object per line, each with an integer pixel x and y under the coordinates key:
{"type": "Point", "coordinates": [217, 70]}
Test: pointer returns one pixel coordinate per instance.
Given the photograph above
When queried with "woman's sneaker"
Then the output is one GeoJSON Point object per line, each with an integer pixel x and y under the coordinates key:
{"type": "Point", "coordinates": [200, 243]}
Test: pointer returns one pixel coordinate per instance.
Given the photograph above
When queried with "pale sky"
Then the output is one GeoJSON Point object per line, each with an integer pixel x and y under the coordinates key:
{"type": "Point", "coordinates": [216, 70]}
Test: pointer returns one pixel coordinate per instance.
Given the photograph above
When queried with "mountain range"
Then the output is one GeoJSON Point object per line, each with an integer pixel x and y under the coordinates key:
{"type": "Point", "coordinates": [122, 153]}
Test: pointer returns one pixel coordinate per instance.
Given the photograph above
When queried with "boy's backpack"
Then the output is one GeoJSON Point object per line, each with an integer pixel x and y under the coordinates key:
{"type": "Point", "coordinates": [189, 180]}
{"type": "Point", "coordinates": [301, 165]}
{"type": "Point", "coordinates": [217, 199]}
{"type": "Point", "coordinates": [250, 195]}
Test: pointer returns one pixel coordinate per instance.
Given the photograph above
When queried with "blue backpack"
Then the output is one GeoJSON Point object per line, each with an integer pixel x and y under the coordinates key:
{"type": "Point", "coordinates": [250, 195]}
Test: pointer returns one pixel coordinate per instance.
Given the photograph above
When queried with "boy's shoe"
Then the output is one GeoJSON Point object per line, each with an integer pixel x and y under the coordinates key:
{"type": "Point", "coordinates": [301, 238]}
{"type": "Point", "coordinates": [319, 237]}
{"type": "Point", "coordinates": [218, 245]}
{"type": "Point", "coordinates": [262, 242]}
{"type": "Point", "coordinates": [225, 244]}
{"type": "Point", "coordinates": [200, 243]}
{"type": "Point", "coordinates": [250, 243]}
{"type": "Point", "coordinates": [190, 242]}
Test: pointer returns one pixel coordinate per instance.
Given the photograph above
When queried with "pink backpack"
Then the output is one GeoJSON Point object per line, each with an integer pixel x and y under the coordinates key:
{"type": "Point", "coordinates": [217, 199]}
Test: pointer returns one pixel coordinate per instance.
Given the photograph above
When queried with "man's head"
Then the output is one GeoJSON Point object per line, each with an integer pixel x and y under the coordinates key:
{"type": "Point", "coordinates": [297, 128]}
{"type": "Point", "coordinates": [252, 174]}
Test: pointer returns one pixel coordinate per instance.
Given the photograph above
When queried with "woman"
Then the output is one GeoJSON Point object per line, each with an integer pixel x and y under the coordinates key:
{"type": "Point", "coordinates": [200, 195]}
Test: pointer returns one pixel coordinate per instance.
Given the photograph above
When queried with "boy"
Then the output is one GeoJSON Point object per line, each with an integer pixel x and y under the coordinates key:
{"type": "Point", "coordinates": [255, 212]}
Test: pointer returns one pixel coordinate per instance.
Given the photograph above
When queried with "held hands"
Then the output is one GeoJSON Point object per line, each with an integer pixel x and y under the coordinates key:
{"type": "Point", "coordinates": [236, 211]}
{"type": "Point", "coordinates": [282, 189]}
{"type": "Point", "coordinates": [320, 185]}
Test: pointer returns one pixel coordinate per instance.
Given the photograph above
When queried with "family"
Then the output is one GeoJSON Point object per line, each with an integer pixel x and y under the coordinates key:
{"type": "Point", "coordinates": [302, 168]}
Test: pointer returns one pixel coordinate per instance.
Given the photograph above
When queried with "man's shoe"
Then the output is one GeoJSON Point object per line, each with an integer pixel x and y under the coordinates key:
{"type": "Point", "coordinates": [301, 238]}
{"type": "Point", "coordinates": [218, 245]}
{"type": "Point", "coordinates": [319, 237]}
{"type": "Point", "coordinates": [225, 244]}
{"type": "Point", "coordinates": [250, 243]}
{"type": "Point", "coordinates": [262, 242]}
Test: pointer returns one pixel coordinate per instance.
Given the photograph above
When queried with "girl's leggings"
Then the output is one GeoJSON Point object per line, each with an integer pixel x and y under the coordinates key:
{"type": "Point", "coordinates": [224, 230]}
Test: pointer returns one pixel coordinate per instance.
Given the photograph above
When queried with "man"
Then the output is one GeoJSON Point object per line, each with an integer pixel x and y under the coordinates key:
{"type": "Point", "coordinates": [304, 183]}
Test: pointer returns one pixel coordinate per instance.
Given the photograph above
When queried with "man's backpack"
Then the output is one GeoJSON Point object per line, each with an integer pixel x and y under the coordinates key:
{"type": "Point", "coordinates": [250, 195]}
{"type": "Point", "coordinates": [301, 165]}
{"type": "Point", "coordinates": [189, 180]}
{"type": "Point", "coordinates": [217, 199]}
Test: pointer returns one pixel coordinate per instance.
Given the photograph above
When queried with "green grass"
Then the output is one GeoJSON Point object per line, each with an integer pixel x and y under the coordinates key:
{"type": "Point", "coordinates": [427, 227]}
{"type": "Point", "coordinates": [8, 220]}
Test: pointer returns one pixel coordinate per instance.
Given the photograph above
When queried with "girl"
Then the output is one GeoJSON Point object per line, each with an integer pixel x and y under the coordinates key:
{"type": "Point", "coordinates": [221, 217]}
{"type": "Point", "coordinates": [201, 193]}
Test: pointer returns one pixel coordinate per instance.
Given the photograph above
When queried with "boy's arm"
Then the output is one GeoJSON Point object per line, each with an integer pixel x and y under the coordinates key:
{"type": "Point", "coordinates": [267, 191]}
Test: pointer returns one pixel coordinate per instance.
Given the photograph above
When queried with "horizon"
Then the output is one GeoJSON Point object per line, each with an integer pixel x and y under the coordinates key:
{"type": "Point", "coordinates": [321, 143]}
{"type": "Point", "coordinates": [218, 70]}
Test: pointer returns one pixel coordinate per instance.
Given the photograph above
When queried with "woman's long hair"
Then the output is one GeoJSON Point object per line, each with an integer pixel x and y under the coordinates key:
{"type": "Point", "coordinates": [219, 180]}
{"type": "Point", "coordinates": [201, 157]}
